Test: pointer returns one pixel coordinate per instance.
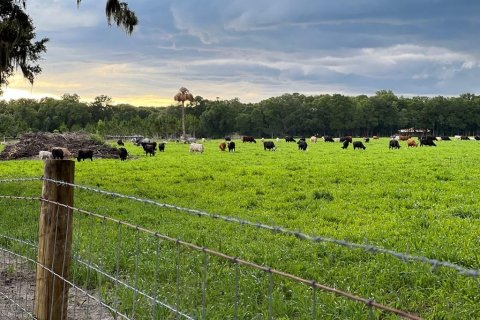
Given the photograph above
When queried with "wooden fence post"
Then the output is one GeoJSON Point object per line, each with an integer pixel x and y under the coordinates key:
{"type": "Point", "coordinates": [54, 242]}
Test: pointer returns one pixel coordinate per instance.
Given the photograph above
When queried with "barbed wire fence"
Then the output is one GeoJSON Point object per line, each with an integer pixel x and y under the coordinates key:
{"type": "Point", "coordinates": [123, 271]}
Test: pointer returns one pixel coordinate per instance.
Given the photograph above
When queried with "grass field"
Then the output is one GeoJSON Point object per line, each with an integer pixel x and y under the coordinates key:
{"type": "Point", "coordinates": [420, 201]}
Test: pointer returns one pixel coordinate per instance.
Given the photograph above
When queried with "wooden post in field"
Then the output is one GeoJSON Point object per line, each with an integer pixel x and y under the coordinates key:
{"type": "Point", "coordinates": [54, 242]}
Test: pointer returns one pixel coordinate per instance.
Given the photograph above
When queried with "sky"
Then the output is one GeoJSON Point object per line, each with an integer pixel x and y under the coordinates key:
{"type": "Point", "coordinates": [256, 49]}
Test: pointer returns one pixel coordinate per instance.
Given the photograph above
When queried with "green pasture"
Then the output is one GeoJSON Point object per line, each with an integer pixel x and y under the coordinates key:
{"type": "Point", "coordinates": [419, 201]}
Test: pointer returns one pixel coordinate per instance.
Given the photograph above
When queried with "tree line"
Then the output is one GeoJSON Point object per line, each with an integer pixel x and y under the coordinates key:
{"type": "Point", "coordinates": [290, 114]}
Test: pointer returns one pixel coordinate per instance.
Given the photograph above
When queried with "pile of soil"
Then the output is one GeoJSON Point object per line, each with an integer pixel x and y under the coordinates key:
{"type": "Point", "coordinates": [31, 143]}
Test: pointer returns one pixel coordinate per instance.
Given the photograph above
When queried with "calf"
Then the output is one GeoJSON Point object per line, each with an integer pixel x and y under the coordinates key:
{"type": "Point", "coordinates": [231, 146]}
{"type": "Point", "coordinates": [269, 145]}
{"type": "Point", "coordinates": [57, 153]}
{"type": "Point", "coordinates": [45, 155]}
{"type": "Point", "coordinates": [161, 147]}
{"type": "Point", "coordinates": [123, 154]}
{"type": "Point", "coordinates": [222, 146]}
{"type": "Point", "coordinates": [85, 154]}
{"type": "Point", "coordinates": [302, 145]}
{"type": "Point", "coordinates": [196, 147]}
{"type": "Point", "coordinates": [394, 144]}
{"type": "Point", "coordinates": [358, 145]}
{"type": "Point", "coordinates": [411, 143]}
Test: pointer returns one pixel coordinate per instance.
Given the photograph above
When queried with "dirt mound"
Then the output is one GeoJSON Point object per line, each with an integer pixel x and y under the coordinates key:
{"type": "Point", "coordinates": [31, 143]}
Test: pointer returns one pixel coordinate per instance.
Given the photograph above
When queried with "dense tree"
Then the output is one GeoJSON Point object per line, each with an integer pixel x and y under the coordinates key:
{"type": "Point", "coordinates": [18, 48]}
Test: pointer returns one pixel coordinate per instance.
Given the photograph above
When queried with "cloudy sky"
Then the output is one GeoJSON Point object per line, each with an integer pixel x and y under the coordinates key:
{"type": "Point", "coordinates": [255, 49]}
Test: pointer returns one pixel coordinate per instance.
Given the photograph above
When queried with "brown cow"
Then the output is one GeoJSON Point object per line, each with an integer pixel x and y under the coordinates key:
{"type": "Point", "coordinates": [411, 143]}
{"type": "Point", "coordinates": [404, 138]}
{"type": "Point", "coordinates": [222, 146]}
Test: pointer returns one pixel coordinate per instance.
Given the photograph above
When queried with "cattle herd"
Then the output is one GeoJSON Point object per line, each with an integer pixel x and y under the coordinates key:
{"type": "Point", "coordinates": [150, 147]}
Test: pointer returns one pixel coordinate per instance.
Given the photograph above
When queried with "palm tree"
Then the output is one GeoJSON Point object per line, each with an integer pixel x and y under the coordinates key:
{"type": "Point", "coordinates": [182, 96]}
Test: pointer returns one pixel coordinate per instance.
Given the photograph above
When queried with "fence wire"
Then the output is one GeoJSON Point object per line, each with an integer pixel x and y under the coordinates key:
{"type": "Point", "coordinates": [281, 230]}
{"type": "Point", "coordinates": [113, 275]}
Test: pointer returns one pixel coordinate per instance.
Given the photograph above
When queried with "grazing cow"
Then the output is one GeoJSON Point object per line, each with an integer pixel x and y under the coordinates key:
{"type": "Point", "coordinates": [231, 146]}
{"type": "Point", "coordinates": [346, 138]}
{"type": "Point", "coordinates": [358, 145]}
{"type": "Point", "coordinates": [366, 139]}
{"type": "Point", "coordinates": [228, 138]}
{"type": "Point", "coordinates": [464, 138]}
{"type": "Point", "coordinates": [248, 139]}
{"type": "Point", "coordinates": [196, 147]}
{"type": "Point", "coordinates": [328, 139]}
{"type": "Point", "coordinates": [45, 155]}
{"type": "Point", "coordinates": [85, 154]}
{"type": "Point", "coordinates": [313, 139]}
{"type": "Point", "coordinates": [477, 137]}
{"type": "Point", "coordinates": [425, 141]}
{"type": "Point", "coordinates": [57, 153]}
{"type": "Point", "coordinates": [404, 138]}
{"type": "Point", "coordinates": [375, 137]}
{"type": "Point", "coordinates": [345, 144]}
{"type": "Point", "coordinates": [161, 147]}
{"type": "Point", "coordinates": [120, 142]}
{"type": "Point", "coordinates": [123, 154]}
{"type": "Point", "coordinates": [289, 139]}
{"type": "Point", "coordinates": [222, 146]}
{"type": "Point", "coordinates": [393, 144]}
{"type": "Point", "coordinates": [269, 145]}
{"type": "Point", "coordinates": [149, 148]}
{"type": "Point", "coordinates": [411, 143]}
{"type": "Point", "coordinates": [445, 138]}
{"type": "Point", "coordinates": [302, 145]}
{"type": "Point", "coordinates": [66, 153]}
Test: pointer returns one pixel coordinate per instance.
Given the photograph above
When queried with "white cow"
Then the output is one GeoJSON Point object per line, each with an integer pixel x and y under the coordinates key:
{"type": "Point", "coordinates": [196, 147]}
{"type": "Point", "coordinates": [44, 155]}
{"type": "Point", "coordinates": [313, 139]}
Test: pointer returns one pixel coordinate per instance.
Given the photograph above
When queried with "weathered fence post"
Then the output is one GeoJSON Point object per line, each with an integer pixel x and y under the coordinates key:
{"type": "Point", "coordinates": [54, 242]}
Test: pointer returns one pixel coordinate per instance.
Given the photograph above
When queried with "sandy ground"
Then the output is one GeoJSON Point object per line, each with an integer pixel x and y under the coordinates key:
{"type": "Point", "coordinates": [17, 291]}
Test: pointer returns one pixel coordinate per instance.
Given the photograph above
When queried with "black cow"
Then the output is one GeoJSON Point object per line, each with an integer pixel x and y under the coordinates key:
{"type": "Point", "coordinates": [445, 138]}
{"type": "Point", "coordinates": [345, 144]}
{"type": "Point", "coordinates": [161, 147]}
{"type": "Point", "coordinates": [394, 144]}
{"type": "Point", "coordinates": [57, 153]}
{"type": "Point", "coordinates": [85, 154]}
{"type": "Point", "coordinates": [328, 139]}
{"type": "Point", "coordinates": [424, 141]}
{"type": "Point", "coordinates": [123, 154]}
{"type": "Point", "coordinates": [464, 138]}
{"type": "Point", "coordinates": [367, 140]}
{"type": "Point", "coordinates": [289, 139]}
{"type": "Point", "coordinates": [302, 145]}
{"type": "Point", "coordinates": [346, 138]}
{"type": "Point", "coordinates": [269, 145]}
{"type": "Point", "coordinates": [228, 138]}
{"type": "Point", "coordinates": [477, 137]}
{"type": "Point", "coordinates": [120, 142]}
{"type": "Point", "coordinates": [358, 145]}
{"type": "Point", "coordinates": [231, 146]}
{"type": "Point", "coordinates": [248, 139]}
{"type": "Point", "coordinates": [149, 148]}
